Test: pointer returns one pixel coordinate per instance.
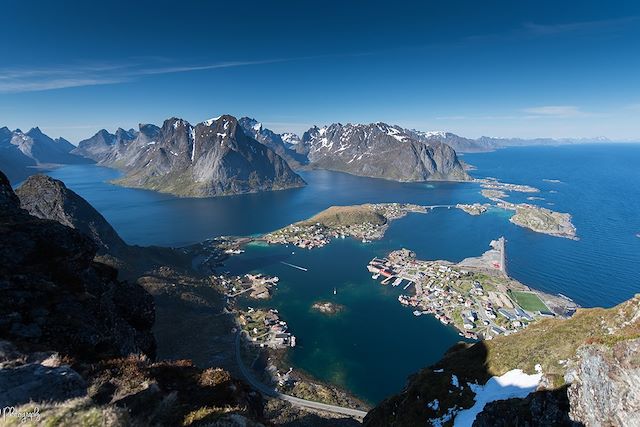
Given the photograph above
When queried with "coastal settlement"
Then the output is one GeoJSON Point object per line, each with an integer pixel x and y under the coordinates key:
{"type": "Point", "coordinates": [476, 295]}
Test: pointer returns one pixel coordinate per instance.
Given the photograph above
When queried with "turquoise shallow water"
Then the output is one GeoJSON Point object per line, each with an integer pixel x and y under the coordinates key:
{"type": "Point", "coordinates": [372, 347]}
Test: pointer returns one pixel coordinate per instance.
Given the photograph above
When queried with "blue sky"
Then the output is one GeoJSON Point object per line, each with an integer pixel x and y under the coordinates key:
{"type": "Point", "coordinates": [498, 68]}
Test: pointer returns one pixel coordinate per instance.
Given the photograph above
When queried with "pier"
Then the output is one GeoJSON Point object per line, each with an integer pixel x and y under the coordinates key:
{"type": "Point", "coordinates": [294, 266]}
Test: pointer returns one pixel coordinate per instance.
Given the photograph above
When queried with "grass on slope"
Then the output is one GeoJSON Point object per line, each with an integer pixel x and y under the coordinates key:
{"type": "Point", "coordinates": [336, 216]}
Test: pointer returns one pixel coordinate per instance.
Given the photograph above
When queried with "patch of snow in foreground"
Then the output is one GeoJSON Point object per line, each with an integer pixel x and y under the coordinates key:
{"type": "Point", "coordinates": [514, 383]}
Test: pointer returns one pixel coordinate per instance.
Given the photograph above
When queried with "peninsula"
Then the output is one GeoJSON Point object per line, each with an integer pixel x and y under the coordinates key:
{"type": "Point", "coordinates": [363, 222]}
{"type": "Point", "coordinates": [476, 295]}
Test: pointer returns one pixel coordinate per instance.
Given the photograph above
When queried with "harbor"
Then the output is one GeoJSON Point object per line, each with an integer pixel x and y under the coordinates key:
{"type": "Point", "coordinates": [475, 296]}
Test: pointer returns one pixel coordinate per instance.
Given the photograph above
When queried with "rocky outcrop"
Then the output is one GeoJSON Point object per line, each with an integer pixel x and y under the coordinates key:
{"type": "Point", "coordinates": [53, 294]}
{"type": "Point", "coordinates": [48, 198]}
{"type": "Point", "coordinates": [379, 150]}
{"type": "Point", "coordinates": [213, 158]}
{"type": "Point", "coordinates": [37, 377]}
{"type": "Point", "coordinates": [605, 385]}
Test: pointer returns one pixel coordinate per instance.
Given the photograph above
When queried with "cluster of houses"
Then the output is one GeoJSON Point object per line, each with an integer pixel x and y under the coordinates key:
{"type": "Point", "coordinates": [266, 329]}
{"type": "Point", "coordinates": [258, 285]}
{"type": "Point", "coordinates": [310, 236]}
{"type": "Point", "coordinates": [453, 295]}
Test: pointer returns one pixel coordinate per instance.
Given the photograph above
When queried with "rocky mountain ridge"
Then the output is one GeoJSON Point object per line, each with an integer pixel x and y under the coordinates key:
{"type": "Point", "coordinates": [212, 158]}
{"type": "Point", "coordinates": [282, 144]}
{"type": "Point", "coordinates": [21, 153]}
{"type": "Point", "coordinates": [379, 150]}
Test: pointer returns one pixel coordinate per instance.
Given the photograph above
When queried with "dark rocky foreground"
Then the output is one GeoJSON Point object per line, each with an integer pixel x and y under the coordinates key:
{"type": "Point", "coordinates": [70, 330]}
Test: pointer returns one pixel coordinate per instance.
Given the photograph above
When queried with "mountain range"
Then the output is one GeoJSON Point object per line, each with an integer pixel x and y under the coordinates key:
{"type": "Point", "coordinates": [212, 158]}
{"type": "Point", "coordinates": [380, 150]}
{"type": "Point", "coordinates": [226, 155]}
{"type": "Point", "coordinates": [22, 153]}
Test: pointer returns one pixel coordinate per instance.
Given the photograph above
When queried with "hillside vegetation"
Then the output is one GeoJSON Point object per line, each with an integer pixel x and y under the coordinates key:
{"type": "Point", "coordinates": [554, 344]}
{"type": "Point", "coordinates": [336, 216]}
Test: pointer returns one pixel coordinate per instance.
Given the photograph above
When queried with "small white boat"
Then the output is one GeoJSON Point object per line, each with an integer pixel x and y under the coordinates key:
{"type": "Point", "coordinates": [375, 276]}
{"type": "Point", "coordinates": [417, 313]}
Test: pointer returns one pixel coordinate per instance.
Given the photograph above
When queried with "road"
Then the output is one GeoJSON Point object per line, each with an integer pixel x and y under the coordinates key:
{"type": "Point", "coordinates": [308, 404]}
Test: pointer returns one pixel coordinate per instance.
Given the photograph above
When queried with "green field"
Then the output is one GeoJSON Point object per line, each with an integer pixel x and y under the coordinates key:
{"type": "Point", "coordinates": [529, 301]}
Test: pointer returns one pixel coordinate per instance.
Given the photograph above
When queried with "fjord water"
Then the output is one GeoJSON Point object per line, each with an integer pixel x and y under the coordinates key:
{"type": "Point", "coordinates": [375, 343]}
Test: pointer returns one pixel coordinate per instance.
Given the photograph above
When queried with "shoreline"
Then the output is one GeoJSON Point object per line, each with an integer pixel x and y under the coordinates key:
{"type": "Point", "coordinates": [476, 296]}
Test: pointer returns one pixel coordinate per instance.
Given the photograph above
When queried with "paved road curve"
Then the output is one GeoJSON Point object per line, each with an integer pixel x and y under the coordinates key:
{"type": "Point", "coordinates": [268, 391]}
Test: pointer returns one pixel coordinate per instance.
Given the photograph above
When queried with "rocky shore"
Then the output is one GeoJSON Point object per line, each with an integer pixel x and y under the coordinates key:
{"type": "Point", "coordinates": [326, 307]}
{"type": "Point", "coordinates": [362, 222]}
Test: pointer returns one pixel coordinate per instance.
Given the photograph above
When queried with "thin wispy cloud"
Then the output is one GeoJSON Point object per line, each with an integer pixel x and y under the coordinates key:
{"type": "Point", "coordinates": [578, 27]}
{"type": "Point", "coordinates": [559, 111]}
{"type": "Point", "coordinates": [16, 80]}
{"type": "Point", "coordinates": [533, 30]}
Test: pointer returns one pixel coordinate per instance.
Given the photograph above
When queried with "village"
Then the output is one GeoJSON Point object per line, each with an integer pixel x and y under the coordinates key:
{"type": "Point", "coordinates": [258, 285]}
{"type": "Point", "coordinates": [480, 303]}
{"type": "Point", "coordinates": [264, 328]}
{"type": "Point", "coordinates": [362, 222]}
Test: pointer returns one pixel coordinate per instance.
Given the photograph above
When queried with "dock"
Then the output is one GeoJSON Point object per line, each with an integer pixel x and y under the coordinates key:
{"type": "Point", "coordinates": [294, 266]}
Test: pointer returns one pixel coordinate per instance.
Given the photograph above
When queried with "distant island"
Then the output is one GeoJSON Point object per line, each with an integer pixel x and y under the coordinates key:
{"type": "Point", "coordinates": [475, 208]}
{"type": "Point", "coordinates": [535, 218]}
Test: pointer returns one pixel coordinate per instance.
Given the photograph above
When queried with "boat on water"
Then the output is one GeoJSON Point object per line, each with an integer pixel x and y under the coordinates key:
{"type": "Point", "coordinates": [335, 291]}
{"type": "Point", "coordinates": [397, 281]}
{"type": "Point", "coordinates": [417, 313]}
{"type": "Point", "coordinates": [375, 276]}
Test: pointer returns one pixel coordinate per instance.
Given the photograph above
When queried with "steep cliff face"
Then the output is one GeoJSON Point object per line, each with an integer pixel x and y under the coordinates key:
{"type": "Point", "coordinates": [212, 158]}
{"type": "Point", "coordinates": [379, 150]}
{"type": "Point", "coordinates": [605, 385]}
{"type": "Point", "coordinates": [585, 371]}
{"type": "Point", "coordinates": [53, 295]}
{"type": "Point", "coordinates": [48, 198]}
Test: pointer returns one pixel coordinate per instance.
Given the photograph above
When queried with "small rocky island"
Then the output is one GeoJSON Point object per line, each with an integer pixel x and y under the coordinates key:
{"type": "Point", "coordinates": [363, 222]}
{"type": "Point", "coordinates": [542, 220]}
{"type": "Point", "coordinates": [535, 218]}
{"type": "Point", "coordinates": [475, 208]}
{"type": "Point", "coordinates": [327, 307]}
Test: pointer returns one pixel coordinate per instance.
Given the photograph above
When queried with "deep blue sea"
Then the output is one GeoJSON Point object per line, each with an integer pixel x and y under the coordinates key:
{"type": "Point", "coordinates": [372, 347]}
